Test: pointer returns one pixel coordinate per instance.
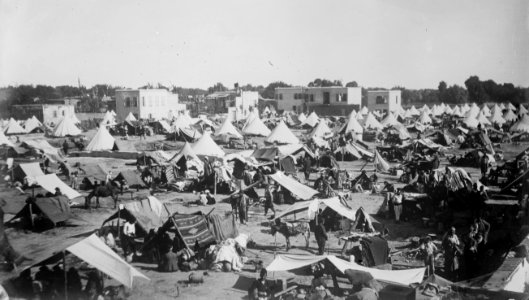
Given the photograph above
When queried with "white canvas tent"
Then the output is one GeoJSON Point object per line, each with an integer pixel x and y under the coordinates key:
{"type": "Point", "coordinates": [485, 110]}
{"type": "Point", "coordinates": [282, 135]}
{"type": "Point", "coordinates": [473, 111]}
{"type": "Point", "coordinates": [321, 130]}
{"type": "Point", "coordinates": [311, 120]}
{"type": "Point", "coordinates": [482, 119]}
{"type": "Point", "coordinates": [414, 111]}
{"type": "Point", "coordinates": [353, 126]}
{"type": "Point", "coordinates": [13, 127]}
{"type": "Point", "coordinates": [50, 181]}
{"type": "Point", "coordinates": [424, 118]}
{"type": "Point", "coordinates": [4, 141]}
{"type": "Point", "coordinates": [364, 111]}
{"type": "Point", "coordinates": [66, 127]}
{"type": "Point", "coordinates": [256, 127]}
{"type": "Point", "coordinates": [32, 124]}
{"type": "Point", "coordinates": [206, 146]}
{"type": "Point", "coordinates": [390, 120]}
{"type": "Point", "coordinates": [496, 117]}
{"type": "Point", "coordinates": [471, 122]}
{"type": "Point", "coordinates": [130, 117]}
{"type": "Point", "coordinates": [75, 120]}
{"type": "Point", "coordinates": [295, 187]}
{"type": "Point", "coordinates": [522, 110]}
{"type": "Point", "coordinates": [509, 116]}
{"type": "Point", "coordinates": [227, 128]}
{"type": "Point", "coordinates": [192, 160]}
{"type": "Point", "coordinates": [371, 122]}
{"type": "Point", "coordinates": [521, 125]}
{"type": "Point", "coordinates": [302, 117]}
{"type": "Point", "coordinates": [102, 140]}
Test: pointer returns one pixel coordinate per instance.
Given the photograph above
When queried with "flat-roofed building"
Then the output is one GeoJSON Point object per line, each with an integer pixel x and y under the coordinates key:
{"type": "Point", "coordinates": [332, 99]}
{"type": "Point", "coordinates": [49, 114]}
{"type": "Point", "coordinates": [147, 104]}
{"type": "Point", "coordinates": [384, 100]}
{"type": "Point", "coordinates": [238, 104]}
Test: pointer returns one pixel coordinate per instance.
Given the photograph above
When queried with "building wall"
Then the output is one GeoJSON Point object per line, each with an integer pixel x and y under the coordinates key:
{"type": "Point", "coordinates": [147, 104]}
{"type": "Point", "coordinates": [55, 113]}
{"type": "Point", "coordinates": [245, 103]}
{"type": "Point", "coordinates": [304, 98]}
{"type": "Point", "coordinates": [385, 100]}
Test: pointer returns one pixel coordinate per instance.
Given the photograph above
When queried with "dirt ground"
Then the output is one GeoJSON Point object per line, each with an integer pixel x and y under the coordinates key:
{"type": "Point", "coordinates": [218, 285]}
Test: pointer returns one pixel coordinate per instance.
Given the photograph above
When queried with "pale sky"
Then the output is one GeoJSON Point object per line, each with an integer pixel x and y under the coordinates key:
{"type": "Point", "coordinates": [412, 43]}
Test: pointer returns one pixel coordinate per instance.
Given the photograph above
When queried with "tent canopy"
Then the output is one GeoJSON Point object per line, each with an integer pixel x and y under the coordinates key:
{"type": "Point", "coordinates": [227, 128]}
{"type": "Point", "coordinates": [256, 127]}
{"type": "Point", "coordinates": [31, 170]}
{"type": "Point", "coordinates": [282, 135]}
{"type": "Point", "coordinates": [50, 181]}
{"type": "Point", "coordinates": [66, 127]}
{"type": "Point", "coordinates": [131, 177]}
{"type": "Point", "coordinates": [149, 213]}
{"type": "Point", "coordinates": [102, 140]}
{"type": "Point", "coordinates": [56, 209]}
{"type": "Point", "coordinates": [13, 127]}
{"type": "Point", "coordinates": [206, 146]}
{"type": "Point", "coordinates": [296, 188]}
{"type": "Point", "coordinates": [191, 228]}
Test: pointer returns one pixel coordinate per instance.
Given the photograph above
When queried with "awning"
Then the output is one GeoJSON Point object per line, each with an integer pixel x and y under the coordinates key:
{"type": "Point", "coordinates": [298, 189]}
{"type": "Point", "coordinates": [292, 262]}
{"type": "Point", "coordinates": [51, 181]}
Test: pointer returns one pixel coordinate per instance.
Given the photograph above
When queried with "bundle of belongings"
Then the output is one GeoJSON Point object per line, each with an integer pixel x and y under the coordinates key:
{"type": "Point", "coordinates": [228, 255]}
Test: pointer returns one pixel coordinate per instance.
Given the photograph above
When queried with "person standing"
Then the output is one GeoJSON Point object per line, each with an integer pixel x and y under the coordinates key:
{"type": "Point", "coordinates": [269, 200]}
{"type": "Point", "coordinates": [243, 207]}
{"type": "Point", "coordinates": [452, 251]}
{"type": "Point", "coordinates": [321, 236]}
{"type": "Point", "coordinates": [484, 166]}
{"type": "Point", "coordinates": [65, 147]}
{"type": "Point", "coordinates": [129, 233]}
{"type": "Point", "coordinates": [307, 162]}
{"type": "Point", "coordinates": [429, 249]}
{"type": "Point", "coordinates": [259, 289]}
{"type": "Point", "coordinates": [397, 205]}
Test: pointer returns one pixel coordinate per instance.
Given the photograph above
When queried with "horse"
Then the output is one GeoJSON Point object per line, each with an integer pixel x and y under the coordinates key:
{"type": "Point", "coordinates": [102, 191]}
{"type": "Point", "coordinates": [291, 229]}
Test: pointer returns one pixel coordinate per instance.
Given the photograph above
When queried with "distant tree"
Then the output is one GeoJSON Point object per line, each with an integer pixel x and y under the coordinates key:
{"type": "Point", "coordinates": [324, 83]}
{"type": "Point", "coordinates": [351, 84]}
{"type": "Point", "coordinates": [218, 87]}
{"type": "Point", "coordinates": [476, 92]}
{"type": "Point", "coordinates": [269, 91]}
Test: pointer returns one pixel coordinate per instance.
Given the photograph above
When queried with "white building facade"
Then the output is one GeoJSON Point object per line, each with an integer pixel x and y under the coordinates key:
{"type": "Point", "coordinates": [384, 100]}
{"type": "Point", "coordinates": [300, 99]}
{"type": "Point", "coordinates": [148, 104]}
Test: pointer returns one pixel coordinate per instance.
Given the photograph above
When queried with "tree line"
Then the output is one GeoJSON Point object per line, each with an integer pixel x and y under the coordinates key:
{"type": "Point", "coordinates": [475, 90]}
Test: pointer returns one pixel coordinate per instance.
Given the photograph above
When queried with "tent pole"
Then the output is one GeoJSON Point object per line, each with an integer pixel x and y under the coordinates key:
{"type": "Point", "coordinates": [65, 275]}
{"type": "Point", "coordinates": [215, 184]}
{"type": "Point", "coordinates": [31, 214]}
{"type": "Point", "coordinates": [119, 231]}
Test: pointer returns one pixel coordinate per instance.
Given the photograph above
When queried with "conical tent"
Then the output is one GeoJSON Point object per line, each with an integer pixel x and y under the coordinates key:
{"type": "Point", "coordinates": [206, 146]}
{"type": "Point", "coordinates": [359, 117]}
{"type": "Point", "coordinates": [390, 120]}
{"type": "Point", "coordinates": [256, 127]}
{"type": "Point", "coordinates": [510, 106]}
{"type": "Point", "coordinates": [502, 106]}
{"type": "Point", "coordinates": [108, 119]}
{"type": "Point", "coordinates": [282, 135]}
{"type": "Point", "coordinates": [424, 118]}
{"type": "Point", "coordinates": [482, 119]}
{"type": "Point", "coordinates": [311, 120]}
{"type": "Point", "coordinates": [494, 109]}
{"type": "Point", "coordinates": [130, 117]}
{"type": "Point", "coordinates": [485, 110]}
{"type": "Point", "coordinates": [66, 127]}
{"type": "Point", "coordinates": [437, 111]}
{"type": "Point", "coordinates": [381, 165]}
{"type": "Point", "coordinates": [522, 110]}
{"type": "Point", "coordinates": [364, 111]}
{"type": "Point", "coordinates": [353, 125]}
{"type": "Point", "coordinates": [471, 122]}
{"type": "Point", "coordinates": [496, 117]}
{"type": "Point", "coordinates": [4, 141]}
{"type": "Point", "coordinates": [426, 109]}
{"type": "Point", "coordinates": [302, 117]}
{"type": "Point", "coordinates": [522, 125]}
{"type": "Point", "coordinates": [371, 122]}
{"type": "Point", "coordinates": [321, 130]}
{"type": "Point", "coordinates": [113, 113]}
{"type": "Point", "coordinates": [13, 127]}
{"type": "Point", "coordinates": [448, 110]}
{"type": "Point", "coordinates": [227, 128]}
{"type": "Point", "coordinates": [191, 157]}
{"type": "Point", "coordinates": [407, 114]}
{"type": "Point", "coordinates": [509, 116]}
{"type": "Point", "coordinates": [251, 116]}
{"type": "Point", "coordinates": [473, 111]}
{"type": "Point", "coordinates": [414, 111]}
{"type": "Point", "coordinates": [465, 108]}
{"type": "Point", "coordinates": [75, 119]}
{"type": "Point", "coordinates": [102, 140]}
{"type": "Point", "coordinates": [353, 113]}
{"type": "Point", "coordinates": [458, 112]}
{"type": "Point", "coordinates": [31, 124]}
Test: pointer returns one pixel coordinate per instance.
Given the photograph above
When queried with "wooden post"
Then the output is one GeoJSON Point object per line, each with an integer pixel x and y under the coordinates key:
{"type": "Point", "coordinates": [65, 275]}
{"type": "Point", "coordinates": [119, 231]}
{"type": "Point", "coordinates": [31, 214]}
{"type": "Point", "coordinates": [215, 183]}
{"type": "Point", "coordinates": [176, 227]}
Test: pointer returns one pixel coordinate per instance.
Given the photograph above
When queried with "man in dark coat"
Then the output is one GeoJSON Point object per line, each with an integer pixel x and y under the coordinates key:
{"type": "Point", "coordinates": [307, 162]}
{"type": "Point", "coordinates": [65, 147]}
{"type": "Point", "coordinates": [321, 236]}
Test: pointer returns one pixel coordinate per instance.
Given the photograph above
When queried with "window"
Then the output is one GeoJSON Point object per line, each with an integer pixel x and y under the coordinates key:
{"type": "Point", "coordinates": [55, 114]}
{"type": "Point", "coordinates": [381, 100]}
{"type": "Point", "coordinates": [338, 97]}
{"type": "Point", "coordinates": [280, 96]}
{"type": "Point", "coordinates": [127, 102]}
{"type": "Point", "coordinates": [344, 98]}
{"type": "Point", "coordinates": [143, 101]}
{"type": "Point", "coordinates": [63, 113]}
{"type": "Point", "coordinates": [294, 108]}
{"type": "Point", "coordinates": [135, 102]}
{"type": "Point", "coordinates": [311, 97]}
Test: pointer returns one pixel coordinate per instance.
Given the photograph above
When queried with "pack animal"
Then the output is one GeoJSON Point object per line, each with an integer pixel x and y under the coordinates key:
{"type": "Point", "coordinates": [102, 191]}
{"type": "Point", "coordinates": [291, 230]}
